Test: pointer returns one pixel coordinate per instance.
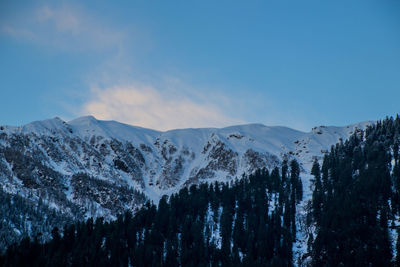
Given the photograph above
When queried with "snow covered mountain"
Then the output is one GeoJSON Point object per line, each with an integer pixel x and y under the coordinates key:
{"type": "Point", "coordinates": [100, 168]}
{"type": "Point", "coordinates": [54, 172]}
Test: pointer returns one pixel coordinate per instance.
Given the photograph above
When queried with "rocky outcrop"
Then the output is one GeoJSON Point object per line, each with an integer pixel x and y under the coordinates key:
{"type": "Point", "coordinates": [90, 168]}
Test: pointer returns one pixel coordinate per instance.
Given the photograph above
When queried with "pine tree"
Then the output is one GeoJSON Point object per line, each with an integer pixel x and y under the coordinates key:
{"type": "Point", "coordinates": [317, 196]}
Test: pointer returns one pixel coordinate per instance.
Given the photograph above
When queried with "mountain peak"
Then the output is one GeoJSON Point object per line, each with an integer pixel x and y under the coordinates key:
{"type": "Point", "coordinates": [153, 162]}
{"type": "Point", "coordinates": [45, 126]}
{"type": "Point", "coordinates": [89, 119]}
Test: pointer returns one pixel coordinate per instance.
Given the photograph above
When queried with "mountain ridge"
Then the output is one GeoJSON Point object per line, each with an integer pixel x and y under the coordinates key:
{"type": "Point", "coordinates": [275, 140]}
{"type": "Point", "coordinates": [92, 168]}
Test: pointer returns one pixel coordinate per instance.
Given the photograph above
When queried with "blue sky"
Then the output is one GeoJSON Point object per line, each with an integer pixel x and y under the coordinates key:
{"type": "Point", "coordinates": [178, 64]}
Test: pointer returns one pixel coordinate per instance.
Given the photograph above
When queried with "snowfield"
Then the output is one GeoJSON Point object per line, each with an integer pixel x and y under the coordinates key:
{"type": "Point", "coordinates": [157, 163]}
{"type": "Point", "coordinates": [92, 168]}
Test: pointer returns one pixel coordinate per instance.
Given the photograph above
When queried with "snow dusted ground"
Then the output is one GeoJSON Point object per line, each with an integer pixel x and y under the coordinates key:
{"type": "Point", "coordinates": [176, 158]}
{"type": "Point", "coordinates": [120, 157]}
{"type": "Point", "coordinates": [276, 140]}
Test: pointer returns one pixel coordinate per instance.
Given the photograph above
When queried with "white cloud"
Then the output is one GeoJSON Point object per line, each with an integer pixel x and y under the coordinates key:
{"type": "Point", "coordinates": [72, 28]}
{"type": "Point", "coordinates": [69, 27]}
{"type": "Point", "coordinates": [64, 27]}
{"type": "Point", "coordinates": [18, 33]}
{"type": "Point", "coordinates": [148, 107]}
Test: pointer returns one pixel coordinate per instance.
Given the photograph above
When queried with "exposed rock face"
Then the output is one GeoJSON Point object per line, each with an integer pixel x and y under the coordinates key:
{"type": "Point", "coordinates": [254, 160]}
{"type": "Point", "coordinates": [90, 168]}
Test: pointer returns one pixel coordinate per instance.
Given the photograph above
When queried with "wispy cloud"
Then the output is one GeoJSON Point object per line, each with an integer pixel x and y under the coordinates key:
{"type": "Point", "coordinates": [64, 27]}
{"type": "Point", "coordinates": [146, 106]}
{"type": "Point", "coordinates": [116, 87]}
{"type": "Point", "coordinates": [112, 92]}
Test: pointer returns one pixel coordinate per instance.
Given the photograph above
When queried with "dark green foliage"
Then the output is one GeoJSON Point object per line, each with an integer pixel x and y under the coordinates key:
{"type": "Point", "coordinates": [355, 204]}
{"type": "Point", "coordinates": [21, 218]}
{"type": "Point", "coordinates": [353, 217]}
{"type": "Point", "coordinates": [205, 225]}
{"type": "Point", "coordinates": [318, 195]}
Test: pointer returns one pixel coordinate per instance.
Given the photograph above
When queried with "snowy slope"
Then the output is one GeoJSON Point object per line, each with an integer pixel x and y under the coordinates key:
{"type": "Point", "coordinates": [56, 159]}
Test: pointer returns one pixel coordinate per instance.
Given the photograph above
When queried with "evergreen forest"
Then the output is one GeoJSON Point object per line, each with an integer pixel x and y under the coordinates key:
{"type": "Point", "coordinates": [352, 218]}
{"type": "Point", "coordinates": [248, 223]}
{"type": "Point", "coordinates": [355, 206]}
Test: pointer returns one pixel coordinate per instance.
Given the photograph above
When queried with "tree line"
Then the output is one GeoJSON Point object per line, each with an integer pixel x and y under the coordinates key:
{"type": "Point", "coordinates": [249, 222]}
{"type": "Point", "coordinates": [355, 205]}
{"type": "Point", "coordinates": [352, 218]}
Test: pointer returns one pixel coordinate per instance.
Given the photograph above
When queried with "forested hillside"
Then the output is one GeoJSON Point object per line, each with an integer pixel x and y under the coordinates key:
{"type": "Point", "coordinates": [248, 223]}
{"type": "Point", "coordinates": [89, 168]}
{"type": "Point", "coordinates": [351, 218]}
{"type": "Point", "coordinates": [20, 217]}
{"type": "Point", "coordinates": [356, 200]}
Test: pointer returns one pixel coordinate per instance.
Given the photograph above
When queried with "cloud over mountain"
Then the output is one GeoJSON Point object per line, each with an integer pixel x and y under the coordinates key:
{"type": "Point", "coordinates": [148, 107]}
